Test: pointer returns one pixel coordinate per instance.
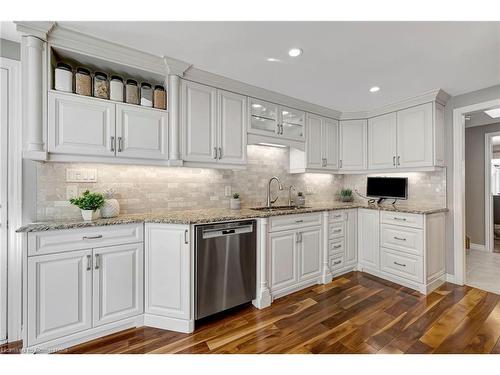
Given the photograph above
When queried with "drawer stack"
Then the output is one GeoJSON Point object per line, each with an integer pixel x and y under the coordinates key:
{"type": "Point", "coordinates": [342, 246]}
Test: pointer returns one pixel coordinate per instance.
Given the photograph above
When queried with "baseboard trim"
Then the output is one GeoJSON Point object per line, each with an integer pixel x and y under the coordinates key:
{"type": "Point", "coordinates": [476, 246]}
{"type": "Point", "coordinates": [171, 324]}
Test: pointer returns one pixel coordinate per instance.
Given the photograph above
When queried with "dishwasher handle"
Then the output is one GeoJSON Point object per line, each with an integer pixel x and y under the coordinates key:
{"type": "Point", "coordinates": [213, 233]}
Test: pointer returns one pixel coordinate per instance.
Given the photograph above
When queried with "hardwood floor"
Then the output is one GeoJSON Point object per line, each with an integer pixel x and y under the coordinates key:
{"type": "Point", "coordinates": [356, 313]}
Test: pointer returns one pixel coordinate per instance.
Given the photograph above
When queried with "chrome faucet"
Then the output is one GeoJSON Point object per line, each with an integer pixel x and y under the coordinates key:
{"type": "Point", "coordinates": [290, 200]}
{"type": "Point", "coordinates": [280, 187]}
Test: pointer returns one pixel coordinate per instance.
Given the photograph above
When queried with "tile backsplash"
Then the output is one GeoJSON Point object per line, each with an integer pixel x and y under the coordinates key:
{"type": "Point", "coordinates": [148, 189]}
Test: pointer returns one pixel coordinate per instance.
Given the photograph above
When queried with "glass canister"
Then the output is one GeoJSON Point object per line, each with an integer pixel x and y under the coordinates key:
{"type": "Point", "coordinates": [83, 82]}
{"type": "Point", "coordinates": [63, 77]}
{"type": "Point", "coordinates": [131, 92]}
{"type": "Point", "coordinates": [116, 89]}
{"type": "Point", "coordinates": [146, 95]}
{"type": "Point", "coordinates": [101, 85]}
{"type": "Point", "coordinates": [159, 97]}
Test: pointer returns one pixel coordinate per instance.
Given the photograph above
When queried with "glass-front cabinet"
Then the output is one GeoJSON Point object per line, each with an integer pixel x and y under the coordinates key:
{"type": "Point", "coordinates": [276, 121]}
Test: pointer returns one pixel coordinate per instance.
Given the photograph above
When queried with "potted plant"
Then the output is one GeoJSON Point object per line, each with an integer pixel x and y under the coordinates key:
{"type": "Point", "coordinates": [89, 203]}
{"type": "Point", "coordinates": [235, 203]}
{"type": "Point", "coordinates": [346, 195]}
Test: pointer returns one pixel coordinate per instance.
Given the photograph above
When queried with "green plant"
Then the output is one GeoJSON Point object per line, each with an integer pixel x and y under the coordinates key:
{"type": "Point", "coordinates": [88, 201]}
{"type": "Point", "coordinates": [236, 195]}
{"type": "Point", "coordinates": [346, 193]}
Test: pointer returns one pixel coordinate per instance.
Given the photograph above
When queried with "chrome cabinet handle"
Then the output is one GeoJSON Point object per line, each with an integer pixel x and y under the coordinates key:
{"type": "Point", "coordinates": [398, 160]}
{"type": "Point", "coordinates": [112, 143]}
{"type": "Point", "coordinates": [281, 125]}
{"type": "Point", "coordinates": [399, 218]}
{"type": "Point", "coordinates": [278, 129]}
{"type": "Point", "coordinates": [120, 144]}
{"type": "Point", "coordinates": [299, 237]}
{"type": "Point", "coordinates": [186, 237]}
{"type": "Point", "coordinates": [340, 163]}
{"type": "Point", "coordinates": [337, 262]}
{"type": "Point", "coordinates": [89, 260]}
{"type": "Point", "coordinates": [394, 161]}
{"type": "Point", "coordinates": [215, 153]}
{"type": "Point", "coordinates": [400, 264]}
{"type": "Point", "coordinates": [97, 262]}
{"type": "Point", "coordinates": [92, 237]}
{"type": "Point", "coordinates": [400, 239]}
{"type": "Point", "coordinates": [337, 231]}
{"type": "Point", "coordinates": [220, 153]}
{"type": "Point", "coordinates": [299, 221]}
{"type": "Point", "coordinates": [337, 246]}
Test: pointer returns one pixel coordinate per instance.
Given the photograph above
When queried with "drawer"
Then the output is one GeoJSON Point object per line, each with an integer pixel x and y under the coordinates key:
{"type": "Point", "coordinates": [336, 246]}
{"type": "Point", "coordinates": [336, 262]}
{"type": "Point", "coordinates": [56, 241]}
{"type": "Point", "coordinates": [286, 222]}
{"type": "Point", "coordinates": [402, 218]}
{"type": "Point", "coordinates": [404, 265]}
{"type": "Point", "coordinates": [334, 216]}
{"type": "Point", "coordinates": [409, 240]}
{"type": "Point", "coordinates": [336, 230]}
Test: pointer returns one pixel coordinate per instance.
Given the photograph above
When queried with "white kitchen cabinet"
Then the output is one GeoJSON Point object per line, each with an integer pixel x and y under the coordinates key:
{"type": "Point", "coordinates": [314, 152]}
{"type": "Point", "coordinates": [353, 145]}
{"type": "Point", "coordinates": [351, 237]}
{"type": "Point", "coordinates": [309, 253]}
{"type": "Point", "coordinates": [415, 136]}
{"type": "Point", "coordinates": [80, 125]}
{"type": "Point", "coordinates": [283, 259]}
{"type": "Point", "coordinates": [382, 139]}
{"type": "Point", "coordinates": [199, 122]}
{"type": "Point", "coordinates": [118, 283]}
{"type": "Point", "coordinates": [213, 125]}
{"type": "Point", "coordinates": [368, 238]}
{"type": "Point", "coordinates": [141, 133]}
{"type": "Point", "coordinates": [292, 122]}
{"type": "Point", "coordinates": [231, 129]}
{"type": "Point", "coordinates": [59, 295]}
{"type": "Point", "coordinates": [168, 271]}
{"type": "Point", "coordinates": [330, 143]}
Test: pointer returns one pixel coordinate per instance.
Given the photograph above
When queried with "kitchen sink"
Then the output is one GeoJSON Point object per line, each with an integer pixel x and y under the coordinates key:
{"type": "Point", "coordinates": [277, 208]}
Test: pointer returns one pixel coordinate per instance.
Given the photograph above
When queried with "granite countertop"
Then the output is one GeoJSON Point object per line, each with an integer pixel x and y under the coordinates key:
{"type": "Point", "coordinates": [212, 215]}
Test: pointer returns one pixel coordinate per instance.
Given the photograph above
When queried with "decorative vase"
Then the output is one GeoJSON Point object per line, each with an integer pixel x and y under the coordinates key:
{"type": "Point", "coordinates": [235, 204]}
{"type": "Point", "coordinates": [111, 208]}
{"type": "Point", "coordinates": [89, 215]}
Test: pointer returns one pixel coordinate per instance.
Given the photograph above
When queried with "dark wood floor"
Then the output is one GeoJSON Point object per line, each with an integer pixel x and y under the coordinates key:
{"type": "Point", "coordinates": [356, 313]}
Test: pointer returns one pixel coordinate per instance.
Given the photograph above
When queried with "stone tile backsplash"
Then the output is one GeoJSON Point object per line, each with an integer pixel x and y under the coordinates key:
{"type": "Point", "coordinates": [148, 189]}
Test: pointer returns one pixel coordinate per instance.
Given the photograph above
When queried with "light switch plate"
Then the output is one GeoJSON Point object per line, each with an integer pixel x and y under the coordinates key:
{"type": "Point", "coordinates": [81, 175]}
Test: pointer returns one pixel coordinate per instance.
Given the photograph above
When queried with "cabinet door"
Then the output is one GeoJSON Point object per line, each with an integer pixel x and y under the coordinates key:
{"type": "Point", "coordinates": [368, 238]}
{"type": "Point", "coordinates": [309, 253]}
{"type": "Point", "coordinates": [314, 142]}
{"type": "Point", "coordinates": [59, 295]}
{"type": "Point", "coordinates": [198, 121]}
{"type": "Point", "coordinates": [263, 118]}
{"type": "Point", "coordinates": [232, 120]}
{"type": "Point", "coordinates": [415, 128]}
{"type": "Point", "coordinates": [351, 237]}
{"type": "Point", "coordinates": [292, 123]}
{"type": "Point", "coordinates": [331, 143]}
{"type": "Point", "coordinates": [168, 270]}
{"type": "Point", "coordinates": [382, 142]}
{"type": "Point", "coordinates": [141, 133]}
{"type": "Point", "coordinates": [81, 125]}
{"type": "Point", "coordinates": [283, 259]}
{"type": "Point", "coordinates": [118, 283]}
{"type": "Point", "coordinates": [353, 144]}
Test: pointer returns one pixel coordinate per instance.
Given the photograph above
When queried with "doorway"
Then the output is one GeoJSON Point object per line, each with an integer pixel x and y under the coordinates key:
{"type": "Point", "coordinates": [4, 135]}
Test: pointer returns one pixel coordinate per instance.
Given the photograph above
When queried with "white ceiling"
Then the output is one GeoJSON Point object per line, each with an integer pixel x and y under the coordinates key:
{"type": "Point", "coordinates": [341, 60]}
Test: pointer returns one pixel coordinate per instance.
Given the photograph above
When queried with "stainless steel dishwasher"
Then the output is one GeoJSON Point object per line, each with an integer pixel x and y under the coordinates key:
{"type": "Point", "coordinates": [225, 266]}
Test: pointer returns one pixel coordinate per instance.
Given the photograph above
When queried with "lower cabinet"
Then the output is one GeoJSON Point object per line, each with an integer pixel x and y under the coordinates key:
{"type": "Point", "coordinates": [283, 259]}
{"type": "Point", "coordinates": [309, 253]}
{"type": "Point", "coordinates": [368, 238]}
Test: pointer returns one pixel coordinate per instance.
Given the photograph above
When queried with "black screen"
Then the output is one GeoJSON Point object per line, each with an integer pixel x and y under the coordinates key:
{"type": "Point", "coordinates": [387, 187]}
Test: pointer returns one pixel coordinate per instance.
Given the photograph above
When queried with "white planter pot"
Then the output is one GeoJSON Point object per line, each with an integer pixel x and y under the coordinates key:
{"type": "Point", "coordinates": [235, 204]}
{"type": "Point", "coordinates": [111, 208]}
{"type": "Point", "coordinates": [89, 215]}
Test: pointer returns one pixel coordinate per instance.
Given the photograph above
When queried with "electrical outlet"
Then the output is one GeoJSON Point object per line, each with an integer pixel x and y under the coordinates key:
{"type": "Point", "coordinates": [71, 191]}
{"type": "Point", "coordinates": [227, 191]}
{"type": "Point", "coordinates": [81, 175]}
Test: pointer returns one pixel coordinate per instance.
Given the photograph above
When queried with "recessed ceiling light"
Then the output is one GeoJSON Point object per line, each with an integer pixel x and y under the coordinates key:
{"type": "Point", "coordinates": [374, 89]}
{"type": "Point", "coordinates": [294, 52]}
{"type": "Point", "coordinates": [467, 118]}
{"type": "Point", "coordinates": [493, 113]}
{"type": "Point", "coordinates": [255, 105]}
{"type": "Point", "coordinates": [272, 59]}
{"type": "Point", "coordinates": [285, 112]}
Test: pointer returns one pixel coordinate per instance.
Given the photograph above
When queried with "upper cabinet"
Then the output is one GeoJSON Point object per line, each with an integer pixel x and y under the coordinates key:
{"type": "Point", "coordinates": [412, 138]}
{"type": "Point", "coordinates": [213, 125]}
{"type": "Point", "coordinates": [95, 127]}
{"type": "Point", "coordinates": [353, 145]}
{"type": "Point", "coordinates": [276, 121]}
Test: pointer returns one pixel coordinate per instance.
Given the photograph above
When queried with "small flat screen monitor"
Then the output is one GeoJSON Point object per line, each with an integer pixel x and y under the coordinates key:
{"type": "Point", "coordinates": [387, 187]}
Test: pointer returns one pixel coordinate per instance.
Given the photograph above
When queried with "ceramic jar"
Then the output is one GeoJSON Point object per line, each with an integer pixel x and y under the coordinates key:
{"type": "Point", "coordinates": [63, 78]}
{"type": "Point", "coordinates": [116, 89]}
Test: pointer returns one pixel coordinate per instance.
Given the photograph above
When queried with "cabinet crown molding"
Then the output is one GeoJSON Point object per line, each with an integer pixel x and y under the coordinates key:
{"type": "Point", "coordinates": [40, 29]}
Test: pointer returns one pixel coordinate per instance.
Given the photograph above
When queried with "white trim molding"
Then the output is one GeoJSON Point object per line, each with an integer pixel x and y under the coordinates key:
{"type": "Point", "coordinates": [488, 197]}
{"type": "Point", "coordinates": [478, 247]}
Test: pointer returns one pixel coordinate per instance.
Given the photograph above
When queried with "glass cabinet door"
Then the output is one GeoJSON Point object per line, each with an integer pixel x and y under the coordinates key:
{"type": "Point", "coordinates": [263, 117]}
{"type": "Point", "coordinates": [292, 122]}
